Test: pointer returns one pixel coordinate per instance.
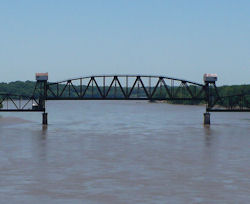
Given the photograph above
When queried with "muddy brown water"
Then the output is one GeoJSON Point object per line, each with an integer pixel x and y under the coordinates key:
{"type": "Point", "coordinates": [124, 152]}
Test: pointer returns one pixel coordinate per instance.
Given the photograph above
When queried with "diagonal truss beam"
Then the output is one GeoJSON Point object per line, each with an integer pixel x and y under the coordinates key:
{"type": "Point", "coordinates": [119, 83]}
{"type": "Point", "coordinates": [98, 88]}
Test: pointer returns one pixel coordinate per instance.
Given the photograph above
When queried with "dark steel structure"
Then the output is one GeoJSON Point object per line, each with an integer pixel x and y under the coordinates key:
{"type": "Point", "coordinates": [231, 103]}
{"type": "Point", "coordinates": [126, 87]}
{"type": "Point", "coordinates": [19, 103]}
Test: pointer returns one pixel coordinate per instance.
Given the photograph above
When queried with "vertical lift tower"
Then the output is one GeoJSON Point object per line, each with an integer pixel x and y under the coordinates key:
{"type": "Point", "coordinates": [209, 80]}
{"type": "Point", "coordinates": [41, 88]}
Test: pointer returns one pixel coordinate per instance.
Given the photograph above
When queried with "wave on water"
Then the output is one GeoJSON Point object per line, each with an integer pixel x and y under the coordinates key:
{"type": "Point", "coordinates": [12, 120]}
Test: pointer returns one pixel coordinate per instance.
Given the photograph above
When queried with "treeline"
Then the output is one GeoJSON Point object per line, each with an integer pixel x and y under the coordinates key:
{"type": "Point", "coordinates": [18, 87]}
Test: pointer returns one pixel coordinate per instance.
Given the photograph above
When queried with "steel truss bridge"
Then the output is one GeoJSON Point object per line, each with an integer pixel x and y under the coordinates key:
{"type": "Point", "coordinates": [125, 87]}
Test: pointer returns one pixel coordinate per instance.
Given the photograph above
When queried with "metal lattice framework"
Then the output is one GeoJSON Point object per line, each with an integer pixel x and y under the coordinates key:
{"type": "Point", "coordinates": [19, 103]}
{"type": "Point", "coordinates": [125, 87]}
{"type": "Point", "coordinates": [231, 103]}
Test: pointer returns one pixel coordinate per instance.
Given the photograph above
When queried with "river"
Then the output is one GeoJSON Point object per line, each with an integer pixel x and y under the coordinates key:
{"type": "Point", "coordinates": [124, 152]}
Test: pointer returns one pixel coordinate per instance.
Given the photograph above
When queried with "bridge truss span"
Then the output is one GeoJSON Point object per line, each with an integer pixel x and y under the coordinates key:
{"type": "Point", "coordinates": [125, 87]}
{"type": "Point", "coordinates": [230, 103]}
{"type": "Point", "coordinates": [19, 103]}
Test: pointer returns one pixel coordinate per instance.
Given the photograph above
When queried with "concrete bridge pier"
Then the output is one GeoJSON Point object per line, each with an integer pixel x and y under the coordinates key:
{"type": "Point", "coordinates": [45, 118]}
{"type": "Point", "coordinates": [206, 118]}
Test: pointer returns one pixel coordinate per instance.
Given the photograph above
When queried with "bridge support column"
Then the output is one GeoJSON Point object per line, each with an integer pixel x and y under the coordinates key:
{"type": "Point", "coordinates": [206, 118]}
{"type": "Point", "coordinates": [45, 118]}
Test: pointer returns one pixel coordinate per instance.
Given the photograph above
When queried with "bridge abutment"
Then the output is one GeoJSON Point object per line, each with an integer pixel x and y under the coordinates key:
{"type": "Point", "coordinates": [45, 118]}
{"type": "Point", "coordinates": [206, 118]}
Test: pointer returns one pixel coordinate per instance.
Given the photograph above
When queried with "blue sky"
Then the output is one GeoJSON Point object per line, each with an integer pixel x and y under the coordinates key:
{"type": "Point", "coordinates": [184, 39]}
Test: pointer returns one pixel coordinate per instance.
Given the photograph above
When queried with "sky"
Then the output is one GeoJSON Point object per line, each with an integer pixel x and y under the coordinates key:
{"type": "Point", "coordinates": [179, 38]}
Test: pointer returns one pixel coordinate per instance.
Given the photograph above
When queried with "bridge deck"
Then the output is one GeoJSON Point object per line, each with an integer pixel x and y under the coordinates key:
{"type": "Point", "coordinates": [228, 110]}
{"type": "Point", "coordinates": [20, 110]}
{"type": "Point", "coordinates": [132, 99]}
